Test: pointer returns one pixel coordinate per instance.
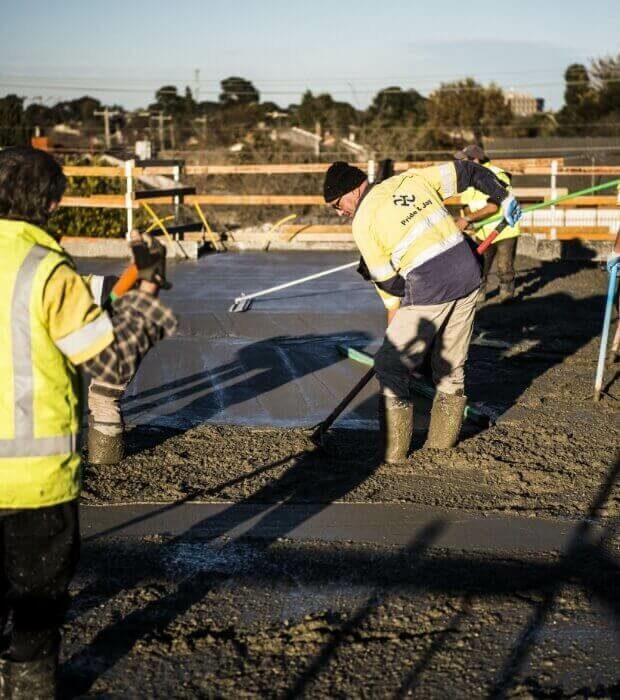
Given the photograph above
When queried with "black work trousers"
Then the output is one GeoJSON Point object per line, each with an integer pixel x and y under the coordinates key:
{"type": "Point", "coordinates": [39, 549]}
{"type": "Point", "coordinates": [504, 252]}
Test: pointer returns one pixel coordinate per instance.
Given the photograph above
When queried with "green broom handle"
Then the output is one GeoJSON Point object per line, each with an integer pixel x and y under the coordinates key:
{"type": "Point", "coordinates": [551, 202]}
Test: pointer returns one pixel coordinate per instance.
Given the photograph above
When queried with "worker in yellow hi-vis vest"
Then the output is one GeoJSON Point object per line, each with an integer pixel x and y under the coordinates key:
{"type": "Point", "coordinates": [478, 208]}
{"type": "Point", "coordinates": [428, 278]}
{"type": "Point", "coordinates": [51, 329]}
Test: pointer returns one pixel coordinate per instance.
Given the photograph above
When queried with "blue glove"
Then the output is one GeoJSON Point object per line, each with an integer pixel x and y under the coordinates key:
{"type": "Point", "coordinates": [613, 260]}
{"type": "Point", "coordinates": [511, 209]}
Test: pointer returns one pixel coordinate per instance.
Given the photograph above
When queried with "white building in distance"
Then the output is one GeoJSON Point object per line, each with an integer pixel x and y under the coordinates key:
{"type": "Point", "coordinates": [523, 104]}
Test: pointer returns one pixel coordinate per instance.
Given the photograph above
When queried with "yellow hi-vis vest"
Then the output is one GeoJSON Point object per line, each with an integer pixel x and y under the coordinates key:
{"type": "Point", "coordinates": [476, 200]}
{"type": "Point", "coordinates": [40, 403]}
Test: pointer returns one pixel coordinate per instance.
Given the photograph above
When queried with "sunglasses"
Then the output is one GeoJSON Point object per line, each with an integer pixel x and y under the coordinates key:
{"type": "Point", "coordinates": [336, 204]}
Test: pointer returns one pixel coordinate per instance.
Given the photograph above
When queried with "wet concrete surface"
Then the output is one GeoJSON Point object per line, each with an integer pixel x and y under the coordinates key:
{"type": "Point", "coordinates": [247, 563]}
{"type": "Point", "coordinates": [275, 364]}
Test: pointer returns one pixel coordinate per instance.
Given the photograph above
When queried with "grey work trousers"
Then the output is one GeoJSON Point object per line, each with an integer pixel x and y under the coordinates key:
{"type": "Point", "coordinates": [444, 330]}
{"type": "Point", "coordinates": [504, 252]}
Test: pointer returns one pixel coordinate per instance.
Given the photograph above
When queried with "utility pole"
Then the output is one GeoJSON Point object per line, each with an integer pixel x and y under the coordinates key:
{"type": "Point", "coordinates": [197, 85]}
{"type": "Point", "coordinates": [172, 135]}
{"type": "Point", "coordinates": [106, 114]}
{"type": "Point", "coordinates": [160, 118]}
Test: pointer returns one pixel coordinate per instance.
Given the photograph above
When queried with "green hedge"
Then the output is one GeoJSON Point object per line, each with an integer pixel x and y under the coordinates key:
{"type": "Point", "coordinates": [100, 223]}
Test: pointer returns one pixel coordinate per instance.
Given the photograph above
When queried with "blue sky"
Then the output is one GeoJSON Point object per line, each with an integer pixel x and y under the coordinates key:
{"type": "Point", "coordinates": [120, 52]}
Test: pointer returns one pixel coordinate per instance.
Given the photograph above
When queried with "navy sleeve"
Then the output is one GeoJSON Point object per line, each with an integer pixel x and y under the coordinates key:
{"type": "Point", "coordinates": [470, 174]}
{"type": "Point", "coordinates": [394, 286]}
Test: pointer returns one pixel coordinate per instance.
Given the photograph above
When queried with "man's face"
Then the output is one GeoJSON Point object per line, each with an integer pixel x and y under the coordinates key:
{"type": "Point", "coordinates": [346, 205]}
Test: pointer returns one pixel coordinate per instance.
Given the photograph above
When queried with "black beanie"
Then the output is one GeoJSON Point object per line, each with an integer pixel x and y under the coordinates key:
{"type": "Point", "coordinates": [340, 179]}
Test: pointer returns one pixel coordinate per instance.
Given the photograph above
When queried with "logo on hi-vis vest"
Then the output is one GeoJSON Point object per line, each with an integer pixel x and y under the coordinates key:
{"type": "Point", "coordinates": [415, 211]}
{"type": "Point", "coordinates": [403, 200]}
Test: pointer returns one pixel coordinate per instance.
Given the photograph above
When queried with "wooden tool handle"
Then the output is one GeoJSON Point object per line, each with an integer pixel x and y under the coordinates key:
{"type": "Point", "coordinates": [125, 282]}
{"type": "Point", "coordinates": [323, 427]}
{"type": "Point", "coordinates": [486, 244]}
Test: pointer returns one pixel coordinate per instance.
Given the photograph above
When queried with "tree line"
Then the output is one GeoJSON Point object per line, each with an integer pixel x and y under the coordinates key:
{"type": "Point", "coordinates": [397, 120]}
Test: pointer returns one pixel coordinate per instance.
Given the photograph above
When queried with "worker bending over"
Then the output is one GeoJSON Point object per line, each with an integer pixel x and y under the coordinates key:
{"type": "Point", "coordinates": [428, 277]}
{"type": "Point", "coordinates": [479, 207]}
{"type": "Point", "coordinates": [51, 328]}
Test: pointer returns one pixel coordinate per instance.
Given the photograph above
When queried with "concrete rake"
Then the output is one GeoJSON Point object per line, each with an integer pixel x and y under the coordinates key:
{"type": "Point", "coordinates": [243, 302]}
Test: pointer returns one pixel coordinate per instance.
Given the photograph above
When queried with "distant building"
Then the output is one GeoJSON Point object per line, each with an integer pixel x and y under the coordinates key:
{"type": "Point", "coordinates": [523, 104]}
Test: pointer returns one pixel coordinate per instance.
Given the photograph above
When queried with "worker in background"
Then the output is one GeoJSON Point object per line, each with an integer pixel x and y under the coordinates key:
{"type": "Point", "coordinates": [428, 277]}
{"type": "Point", "coordinates": [52, 329]}
{"type": "Point", "coordinates": [480, 207]}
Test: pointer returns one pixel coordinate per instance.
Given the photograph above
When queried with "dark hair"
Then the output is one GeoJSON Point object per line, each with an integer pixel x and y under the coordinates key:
{"type": "Point", "coordinates": [30, 182]}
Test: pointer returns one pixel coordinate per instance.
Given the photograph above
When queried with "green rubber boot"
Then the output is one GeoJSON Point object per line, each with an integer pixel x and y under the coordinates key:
{"type": "Point", "coordinates": [104, 448]}
{"type": "Point", "coordinates": [396, 422]}
{"type": "Point", "coordinates": [446, 421]}
{"type": "Point", "coordinates": [28, 680]}
{"type": "Point", "coordinates": [506, 291]}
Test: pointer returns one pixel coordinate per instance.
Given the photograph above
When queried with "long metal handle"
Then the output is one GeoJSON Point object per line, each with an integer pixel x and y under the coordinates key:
{"type": "Point", "coordinates": [600, 368]}
{"type": "Point", "coordinates": [253, 295]}
{"type": "Point", "coordinates": [551, 202]}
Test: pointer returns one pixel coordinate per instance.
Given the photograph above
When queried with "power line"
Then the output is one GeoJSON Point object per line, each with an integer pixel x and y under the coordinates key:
{"type": "Point", "coordinates": [444, 87]}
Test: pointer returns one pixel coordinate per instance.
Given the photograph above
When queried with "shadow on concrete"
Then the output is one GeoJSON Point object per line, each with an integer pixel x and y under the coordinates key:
{"type": "Point", "coordinates": [256, 369]}
{"type": "Point", "coordinates": [585, 563]}
{"type": "Point", "coordinates": [554, 327]}
{"type": "Point", "coordinates": [574, 256]}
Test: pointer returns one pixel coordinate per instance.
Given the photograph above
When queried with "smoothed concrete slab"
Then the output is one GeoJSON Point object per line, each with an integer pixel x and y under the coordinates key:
{"type": "Point", "coordinates": [377, 523]}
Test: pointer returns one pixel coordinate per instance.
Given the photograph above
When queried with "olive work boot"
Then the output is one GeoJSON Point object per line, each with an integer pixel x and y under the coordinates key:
{"type": "Point", "coordinates": [506, 291]}
{"type": "Point", "coordinates": [396, 424]}
{"type": "Point", "coordinates": [28, 680]}
{"type": "Point", "coordinates": [104, 448]}
{"type": "Point", "coordinates": [446, 421]}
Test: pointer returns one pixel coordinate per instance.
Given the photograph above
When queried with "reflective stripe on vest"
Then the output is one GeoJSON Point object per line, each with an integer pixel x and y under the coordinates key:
{"type": "Point", "coordinates": [416, 232]}
{"type": "Point", "coordinates": [25, 444]}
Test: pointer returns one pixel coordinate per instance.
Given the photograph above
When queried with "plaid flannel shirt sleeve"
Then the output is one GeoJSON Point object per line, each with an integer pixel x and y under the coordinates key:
{"type": "Point", "coordinates": [139, 321]}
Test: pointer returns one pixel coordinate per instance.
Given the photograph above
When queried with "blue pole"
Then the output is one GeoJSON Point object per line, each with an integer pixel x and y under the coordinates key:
{"type": "Point", "coordinates": [600, 369]}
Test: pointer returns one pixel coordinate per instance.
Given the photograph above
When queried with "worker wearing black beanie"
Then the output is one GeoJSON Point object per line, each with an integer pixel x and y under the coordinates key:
{"type": "Point", "coordinates": [340, 179]}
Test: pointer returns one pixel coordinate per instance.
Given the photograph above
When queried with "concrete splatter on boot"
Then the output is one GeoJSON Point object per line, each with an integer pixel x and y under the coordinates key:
{"type": "Point", "coordinates": [506, 291]}
{"type": "Point", "coordinates": [396, 423]}
{"type": "Point", "coordinates": [28, 680]}
{"type": "Point", "coordinates": [106, 444]}
{"type": "Point", "coordinates": [446, 421]}
{"type": "Point", "coordinates": [105, 424]}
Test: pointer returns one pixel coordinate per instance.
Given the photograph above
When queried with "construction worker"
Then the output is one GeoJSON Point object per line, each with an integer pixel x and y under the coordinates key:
{"type": "Point", "coordinates": [105, 442]}
{"type": "Point", "coordinates": [51, 328]}
{"type": "Point", "coordinates": [479, 207]}
{"type": "Point", "coordinates": [428, 276]}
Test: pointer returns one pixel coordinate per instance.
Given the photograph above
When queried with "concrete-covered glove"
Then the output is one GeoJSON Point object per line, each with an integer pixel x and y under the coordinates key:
{"type": "Point", "coordinates": [150, 258]}
{"type": "Point", "coordinates": [511, 209]}
{"type": "Point", "coordinates": [613, 262]}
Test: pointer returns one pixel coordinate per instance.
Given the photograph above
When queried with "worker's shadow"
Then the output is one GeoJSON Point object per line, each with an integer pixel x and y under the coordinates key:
{"type": "Point", "coordinates": [585, 562]}
{"type": "Point", "coordinates": [279, 364]}
{"type": "Point", "coordinates": [549, 329]}
{"type": "Point", "coordinates": [574, 256]}
{"type": "Point", "coordinates": [313, 478]}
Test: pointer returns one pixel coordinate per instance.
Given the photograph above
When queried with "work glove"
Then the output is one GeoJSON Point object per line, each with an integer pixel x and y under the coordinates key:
{"type": "Point", "coordinates": [362, 269]}
{"type": "Point", "coordinates": [613, 262]}
{"type": "Point", "coordinates": [511, 209]}
{"type": "Point", "coordinates": [150, 258]}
